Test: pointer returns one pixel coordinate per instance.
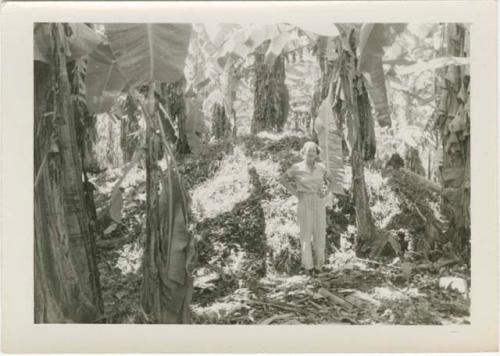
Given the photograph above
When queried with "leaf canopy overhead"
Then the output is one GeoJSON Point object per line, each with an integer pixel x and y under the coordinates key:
{"type": "Point", "coordinates": [150, 53]}
{"type": "Point", "coordinates": [104, 79]}
{"type": "Point", "coordinates": [81, 40]}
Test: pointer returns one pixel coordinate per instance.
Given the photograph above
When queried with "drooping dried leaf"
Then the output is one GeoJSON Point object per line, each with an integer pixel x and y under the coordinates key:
{"type": "Point", "coordinates": [372, 38]}
{"type": "Point", "coordinates": [377, 91]}
{"type": "Point", "coordinates": [330, 142]}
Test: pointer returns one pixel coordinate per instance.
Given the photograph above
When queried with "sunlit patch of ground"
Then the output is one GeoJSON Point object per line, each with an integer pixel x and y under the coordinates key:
{"type": "Point", "coordinates": [229, 186]}
{"type": "Point", "coordinates": [130, 258]}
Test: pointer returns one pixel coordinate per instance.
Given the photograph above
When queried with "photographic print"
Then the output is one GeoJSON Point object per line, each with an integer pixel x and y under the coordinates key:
{"type": "Point", "coordinates": [263, 174]}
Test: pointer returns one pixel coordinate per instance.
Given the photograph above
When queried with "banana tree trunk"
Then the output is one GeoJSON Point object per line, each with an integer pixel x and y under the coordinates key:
{"type": "Point", "coordinates": [66, 276]}
{"type": "Point", "coordinates": [167, 285]}
{"type": "Point", "coordinates": [454, 127]}
{"type": "Point", "coordinates": [271, 97]}
{"type": "Point", "coordinates": [359, 120]}
{"type": "Point", "coordinates": [85, 121]}
{"type": "Point", "coordinates": [360, 115]}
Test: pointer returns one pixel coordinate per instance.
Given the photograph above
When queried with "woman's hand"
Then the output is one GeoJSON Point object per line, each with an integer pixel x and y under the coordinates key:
{"type": "Point", "coordinates": [323, 192]}
{"type": "Point", "coordinates": [325, 188]}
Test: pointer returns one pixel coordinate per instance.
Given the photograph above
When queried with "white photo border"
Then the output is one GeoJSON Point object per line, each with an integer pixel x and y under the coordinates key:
{"type": "Point", "coordinates": [20, 334]}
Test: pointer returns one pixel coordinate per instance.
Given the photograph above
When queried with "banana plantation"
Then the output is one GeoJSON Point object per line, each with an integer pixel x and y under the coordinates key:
{"type": "Point", "coordinates": [158, 152]}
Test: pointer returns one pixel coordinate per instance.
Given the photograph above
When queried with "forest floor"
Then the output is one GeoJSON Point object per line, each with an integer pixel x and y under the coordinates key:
{"type": "Point", "coordinates": [248, 254]}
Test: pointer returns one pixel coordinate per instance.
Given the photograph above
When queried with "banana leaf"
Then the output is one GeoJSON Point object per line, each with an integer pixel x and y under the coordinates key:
{"type": "Point", "coordinates": [246, 40]}
{"type": "Point", "coordinates": [104, 80]}
{"type": "Point", "coordinates": [277, 44]}
{"type": "Point", "coordinates": [82, 40]}
{"type": "Point", "coordinates": [150, 53]}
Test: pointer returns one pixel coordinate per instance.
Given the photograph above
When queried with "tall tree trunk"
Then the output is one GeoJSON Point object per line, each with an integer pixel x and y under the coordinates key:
{"type": "Point", "coordinates": [362, 149]}
{"type": "Point", "coordinates": [85, 121]}
{"type": "Point", "coordinates": [453, 121]}
{"type": "Point", "coordinates": [362, 138]}
{"type": "Point", "coordinates": [167, 286]}
{"type": "Point", "coordinates": [66, 276]}
{"type": "Point", "coordinates": [86, 135]}
{"type": "Point", "coordinates": [271, 97]}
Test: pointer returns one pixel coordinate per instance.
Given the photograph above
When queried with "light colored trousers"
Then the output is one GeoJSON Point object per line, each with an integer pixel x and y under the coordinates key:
{"type": "Point", "coordinates": [312, 224]}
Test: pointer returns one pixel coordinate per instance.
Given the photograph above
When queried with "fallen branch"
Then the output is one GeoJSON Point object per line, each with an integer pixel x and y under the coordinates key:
{"type": "Point", "coordinates": [317, 306]}
{"type": "Point", "coordinates": [336, 299]}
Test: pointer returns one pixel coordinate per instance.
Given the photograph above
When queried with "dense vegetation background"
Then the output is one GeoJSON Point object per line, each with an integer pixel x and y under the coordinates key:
{"type": "Point", "coordinates": [157, 153]}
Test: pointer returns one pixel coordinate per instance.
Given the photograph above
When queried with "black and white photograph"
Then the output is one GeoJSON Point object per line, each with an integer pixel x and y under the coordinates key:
{"type": "Point", "coordinates": [249, 177]}
{"type": "Point", "coordinates": [252, 174]}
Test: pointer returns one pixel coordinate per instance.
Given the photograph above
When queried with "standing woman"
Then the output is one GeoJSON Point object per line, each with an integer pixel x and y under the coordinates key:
{"type": "Point", "coordinates": [308, 181]}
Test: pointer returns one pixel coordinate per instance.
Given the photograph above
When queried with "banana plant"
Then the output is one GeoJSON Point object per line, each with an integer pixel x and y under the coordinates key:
{"type": "Point", "coordinates": [136, 56]}
{"type": "Point", "coordinates": [66, 276]}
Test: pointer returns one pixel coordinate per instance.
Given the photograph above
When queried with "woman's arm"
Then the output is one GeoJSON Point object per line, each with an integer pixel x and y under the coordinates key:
{"type": "Point", "coordinates": [287, 184]}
